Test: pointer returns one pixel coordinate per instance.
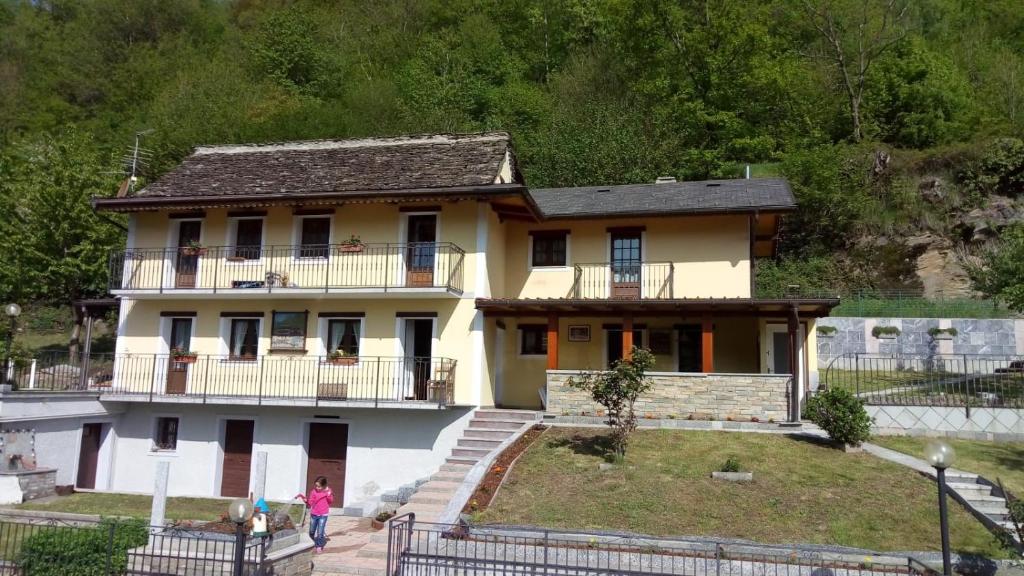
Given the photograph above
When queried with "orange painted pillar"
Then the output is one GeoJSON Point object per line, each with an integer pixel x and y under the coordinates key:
{"type": "Point", "coordinates": [627, 336]}
{"type": "Point", "coordinates": [707, 344]}
{"type": "Point", "coordinates": [552, 342]}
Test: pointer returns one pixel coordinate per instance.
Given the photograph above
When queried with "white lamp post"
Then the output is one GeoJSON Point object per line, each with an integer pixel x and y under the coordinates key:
{"type": "Point", "coordinates": [941, 456]}
{"type": "Point", "coordinates": [240, 511]}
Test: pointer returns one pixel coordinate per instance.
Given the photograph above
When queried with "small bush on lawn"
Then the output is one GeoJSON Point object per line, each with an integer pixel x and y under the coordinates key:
{"type": "Point", "coordinates": [841, 414]}
{"type": "Point", "coordinates": [81, 551]}
{"type": "Point", "coordinates": [617, 390]}
{"type": "Point", "coordinates": [731, 465]}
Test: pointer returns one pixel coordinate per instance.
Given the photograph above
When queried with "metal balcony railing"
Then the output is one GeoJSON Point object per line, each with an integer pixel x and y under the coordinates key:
{"type": "Point", "coordinates": [630, 281]}
{"type": "Point", "coordinates": [148, 377]}
{"type": "Point", "coordinates": [325, 268]}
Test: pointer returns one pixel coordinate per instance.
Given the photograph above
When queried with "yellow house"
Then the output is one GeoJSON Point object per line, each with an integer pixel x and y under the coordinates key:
{"type": "Point", "coordinates": [347, 307]}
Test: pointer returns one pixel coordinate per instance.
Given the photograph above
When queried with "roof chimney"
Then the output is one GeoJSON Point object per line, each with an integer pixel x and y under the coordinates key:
{"type": "Point", "coordinates": [665, 180]}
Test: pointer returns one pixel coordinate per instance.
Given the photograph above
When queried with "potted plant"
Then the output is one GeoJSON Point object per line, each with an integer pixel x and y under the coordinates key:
{"type": "Point", "coordinates": [731, 471]}
{"type": "Point", "coordinates": [183, 356]}
{"type": "Point", "coordinates": [353, 244]}
{"type": "Point", "coordinates": [885, 332]}
{"type": "Point", "coordinates": [380, 520]}
{"type": "Point", "coordinates": [942, 333]}
{"type": "Point", "coordinates": [826, 331]}
{"type": "Point", "coordinates": [194, 248]}
{"type": "Point", "coordinates": [342, 358]}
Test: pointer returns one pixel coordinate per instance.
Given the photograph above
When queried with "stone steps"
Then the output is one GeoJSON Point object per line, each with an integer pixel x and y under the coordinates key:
{"type": "Point", "coordinates": [487, 433]}
{"type": "Point", "coordinates": [353, 565]}
{"type": "Point", "coordinates": [375, 550]}
{"type": "Point", "coordinates": [439, 486]}
{"type": "Point", "coordinates": [462, 460]}
{"type": "Point", "coordinates": [454, 469]}
{"type": "Point", "coordinates": [478, 443]}
{"type": "Point", "coordinates": [492, 424]}
{"type": "Point", "coordinates": [477, 453]}
{"type": "Point", "coordinates": [500, 414]}
{"type": "Point", "coordinates": [969, 490]}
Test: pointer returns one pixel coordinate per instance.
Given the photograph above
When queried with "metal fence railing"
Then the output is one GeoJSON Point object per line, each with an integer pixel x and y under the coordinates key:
{"type": "Point", "coordinates": [112, 548]}
{"type": "Point", "coordinates": [327, 268]}
{"type": "Point", "coordinates": [636, 281]}
{"type": "Point", "coordinates": [375, 379]}
{"type": "Point", "coordinates": [937, 380]}
{"type": "Point", "coordinates": [874, 303]}
{"type": "Point", "coordinates": [416, 548]}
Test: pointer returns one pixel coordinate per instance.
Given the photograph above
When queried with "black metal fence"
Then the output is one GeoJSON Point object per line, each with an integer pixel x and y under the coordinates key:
{"type": "Point", "coordinates": [373, 379]}
{"type": "Point", "coordinates": [327, 268]}
{"type": "Point", "coordinates": [636, 281]}
{"type": "Point", "coordinates": [962, 380]}
{"type": "Point", "coordinates": [111, 548]}
{"type": "Point", "coordinates": [417, 548]}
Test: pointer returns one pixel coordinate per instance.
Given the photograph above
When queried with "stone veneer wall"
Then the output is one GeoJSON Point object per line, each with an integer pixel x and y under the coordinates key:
{"type": "Point", "coordinates": [999, 337]}
{"type": "Point", "coordinates": [742, 397]}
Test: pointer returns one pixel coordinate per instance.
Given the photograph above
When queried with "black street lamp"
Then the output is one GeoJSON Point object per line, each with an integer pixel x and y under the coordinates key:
{"type": "Point", "coordinates": [13, 311]}
{"type": "Point", "coordinates": [941, 455]}
{"type": "Point", "coordinates": [240, 511]}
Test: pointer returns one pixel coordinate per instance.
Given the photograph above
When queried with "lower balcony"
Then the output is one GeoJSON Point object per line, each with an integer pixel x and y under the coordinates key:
{"type": "Point", "coordinates": [350, 381]}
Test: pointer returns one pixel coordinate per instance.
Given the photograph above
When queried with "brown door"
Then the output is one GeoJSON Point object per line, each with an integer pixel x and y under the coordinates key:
{"type": "Point", "coordinates": [187, 264]}
{"type": "Point", "coordinates": [177, 372]}
{"type": "Point", "coordinates": [328, 446]}
{"type": "Point", "coordinates": [421, 250]}
{"type": "Point", "coordinates": [234, 479]}
{"type": "Point", "coordinates": [88, 456]}
{"type": "Point", "coordinates": [626, 264]}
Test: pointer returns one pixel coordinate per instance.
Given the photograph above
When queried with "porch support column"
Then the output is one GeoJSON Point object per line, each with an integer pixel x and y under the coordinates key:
{"type": "Point", "coordinates": [552, 341]}
{"type": "Point", "coordinates": [794, 366]}
{"type": "Point", "coordinates": [627, 336]}
{"type": "Point", "coordinates": [707, 344]}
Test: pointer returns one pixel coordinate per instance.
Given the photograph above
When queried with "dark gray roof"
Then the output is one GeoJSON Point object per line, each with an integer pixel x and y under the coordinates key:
{"type": "Point", "coordinates": [337, 166]}
{"type": "Point", "coordinates": [709, 196]}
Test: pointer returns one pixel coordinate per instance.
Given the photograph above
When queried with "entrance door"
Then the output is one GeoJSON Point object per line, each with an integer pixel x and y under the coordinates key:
{"type": "Point", "coordinates": [625, 265]}
{"type": "Point", "coordinates": [234, 481]}
{"type": "Point", "coordinates": [88, 455]}
{"type": "Point", "coordinates": [187, 265]}
{"type": "Point", "coordinates": [777, 354]}
{"type": "Point", "coordinates": [328, 446]}
{"type": "Point", "coordinates": [419, 334]}
{"type": "Point", "coordinates": [422, 248]}
{"type": "Point", "coordinates": [615, 344]}
{"type": "Point", "coordinates": [177, 372]}
{"type": "Point", "coordinates": [690, 348]}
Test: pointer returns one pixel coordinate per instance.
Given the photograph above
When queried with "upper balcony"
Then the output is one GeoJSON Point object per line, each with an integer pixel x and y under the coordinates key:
{"type": "Point", "coordinates": [623, 281]}
{"type": "Point", "coordinates": [369, 270]}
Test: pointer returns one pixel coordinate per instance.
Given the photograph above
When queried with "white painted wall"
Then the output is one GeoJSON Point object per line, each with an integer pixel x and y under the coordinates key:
{"type": "Point", "coordinates": [386, 448]}
{"type": "Point", "coordinates": [58, 442]}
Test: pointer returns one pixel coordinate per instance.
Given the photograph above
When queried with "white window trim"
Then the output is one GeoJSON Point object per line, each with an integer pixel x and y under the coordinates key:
{"type": "Point", "coordinates": [173, 233]}
{"type": "Point", "coordinates": [568, 256]}
{"type": "Point", "coordinates": [322, 334]}
{"type": "Point", "coordinates": [297, 221]}
{"type": "Point", "coordinates": [519, 346]}
{"type": "Point", "coordinates": [225, 337]}
{"type": "Point", "coordinates": [232, 241]}
{"type": "Point", "coordinates": [153, 450]}
{"type": "Point", "coordinates": [166, 322]}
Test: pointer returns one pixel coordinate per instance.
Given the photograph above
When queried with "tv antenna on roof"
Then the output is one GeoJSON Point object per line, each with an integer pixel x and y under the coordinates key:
{"type": "Point", "coordinates": [136, 159]}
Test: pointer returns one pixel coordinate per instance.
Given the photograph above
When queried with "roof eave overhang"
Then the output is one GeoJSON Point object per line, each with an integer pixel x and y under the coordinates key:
{"type": "Point", "coordinates": [646, 214]}
{"type": "Point", "coordinates": [806, 307]}
{"type": "Point", "coordinates": [144, 203]}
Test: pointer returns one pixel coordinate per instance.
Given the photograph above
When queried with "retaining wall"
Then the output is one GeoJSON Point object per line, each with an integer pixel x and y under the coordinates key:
{"type": "Point", "coordinates": [741, 397]}
{"type": "Point", "coordinates": [981, 424]}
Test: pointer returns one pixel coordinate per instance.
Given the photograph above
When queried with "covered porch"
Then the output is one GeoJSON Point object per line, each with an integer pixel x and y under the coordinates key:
{"type": "Point", "coordinates": [715, 358]}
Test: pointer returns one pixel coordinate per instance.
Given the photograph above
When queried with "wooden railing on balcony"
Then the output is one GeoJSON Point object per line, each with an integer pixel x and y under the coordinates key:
{"type": "Point", "coordinates": [326, 268]}
{"type": "Point", "coordinates": [633, 281]}
{"type": "Point", "coordinates": [376, 380]}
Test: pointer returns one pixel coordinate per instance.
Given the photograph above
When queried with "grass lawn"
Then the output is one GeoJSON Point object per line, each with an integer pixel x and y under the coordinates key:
{"type": "Point", "coordinates": [802, 492]}
{"type": "Point", "coordinates": [1002, 460]}
{"type": "Point", "coordinates": [136, 506]}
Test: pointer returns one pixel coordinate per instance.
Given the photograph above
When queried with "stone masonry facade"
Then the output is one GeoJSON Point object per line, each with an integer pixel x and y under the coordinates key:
{"type": "Point", "coordinates": [738, 397]}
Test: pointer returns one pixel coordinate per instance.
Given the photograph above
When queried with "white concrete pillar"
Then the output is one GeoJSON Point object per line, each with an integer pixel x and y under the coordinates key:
{"type": "Point", "coordinates": [260, 483]}
{"type": "Point", "coordinates": [159, 507]}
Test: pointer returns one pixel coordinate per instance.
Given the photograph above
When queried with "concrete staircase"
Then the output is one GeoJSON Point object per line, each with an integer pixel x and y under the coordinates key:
{"type": "Point", "coordinates": [487, 429]}
{"type": "Point", "coordinates": [981, 496]}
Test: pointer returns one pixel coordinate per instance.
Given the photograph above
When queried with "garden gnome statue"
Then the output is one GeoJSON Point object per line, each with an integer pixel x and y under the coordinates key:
{"type": "Point", "coordinates": [259, 518]}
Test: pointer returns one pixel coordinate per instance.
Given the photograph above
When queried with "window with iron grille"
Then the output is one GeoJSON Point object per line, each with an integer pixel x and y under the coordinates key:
{"type": "Point", "coordinates": [533, 339]}
{"type": "Point", "coordinates": [248, 238]}
{"type": "Point", "coordinates": [549, 248]}
{"type": "Point", "coordinates": [166, 434]}
{"type": "Point", "coordinates": [315, 237]}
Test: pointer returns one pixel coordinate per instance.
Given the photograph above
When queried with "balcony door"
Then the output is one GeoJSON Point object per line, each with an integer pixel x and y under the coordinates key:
{"type": "Point", "coordinates": [417, 343]}
{"type": "Point", "coordinates": [421, 250]}
{"type": "Point", "coordinates": [625, 264]}
{"type": "Point", "coordinates": [186, 265]}
{"type": "Point", "coordinates": [177, 372]}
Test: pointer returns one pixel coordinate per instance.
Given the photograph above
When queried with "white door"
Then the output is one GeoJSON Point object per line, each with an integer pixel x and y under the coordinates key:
{"type": "Point", "coordinates": [776, 338]}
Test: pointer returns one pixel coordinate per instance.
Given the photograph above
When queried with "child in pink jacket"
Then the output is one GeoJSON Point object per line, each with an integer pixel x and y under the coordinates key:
{"type": "Point", "coordinates": [319, 503]}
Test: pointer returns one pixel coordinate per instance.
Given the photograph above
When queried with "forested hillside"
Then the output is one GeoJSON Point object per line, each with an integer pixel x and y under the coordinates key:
{"type": "Point", "coordinates": [897, 122]}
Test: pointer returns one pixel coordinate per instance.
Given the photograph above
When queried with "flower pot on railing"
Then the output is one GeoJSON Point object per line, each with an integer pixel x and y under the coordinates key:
{"type": "Point", "coordinates": [345, 248]}
{"type": "Point", "coordinates": [186, 358]}
{"type": "Point", "coordinates": [343, 360]}
{"type": "Point", "coordinates": [194, 251]}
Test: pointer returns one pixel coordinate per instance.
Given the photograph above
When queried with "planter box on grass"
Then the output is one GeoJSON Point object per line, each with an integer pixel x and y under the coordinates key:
{"type": "Point", "coordinates": [733, 476]}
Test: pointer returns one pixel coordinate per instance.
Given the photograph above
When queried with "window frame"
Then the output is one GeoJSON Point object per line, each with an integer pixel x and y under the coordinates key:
{"type": "Point", "coordinates": [547, 235]}
{"type": "Point", "coordinates": [300, 223]}
{"type": "Point", "coordinates": [232, 253]}
{"type": "Point", "coordinates": [231, 333]}
{"type": "Point", "coordinates": [327, 333]}
{"type": "Point", "coordinates": [158, 446]}
{"type": "Point", "coordinates": [273, 327]}
{"type": "Point", "coordinates": [523, 330]}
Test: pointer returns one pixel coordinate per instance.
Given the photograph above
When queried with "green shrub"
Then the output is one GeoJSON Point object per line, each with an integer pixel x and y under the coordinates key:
{"type": "Point", "coordinates": [933, 332]}
{"type": "Point", "coordinates": [81, 551]}
{"type": "Point", "coordinates": [878, 331]}
{"type": "Point", "coordinates": [826, 330]}
{"type": "Point", "coordinates": [841, 414]}
{"type": "Point", "coordinates": [731, 465]}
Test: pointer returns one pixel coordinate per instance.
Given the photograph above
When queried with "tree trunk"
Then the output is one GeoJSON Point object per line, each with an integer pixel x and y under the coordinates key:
{"type": "Point", "coordinates": [76, 330]}
{"type": "Point", "coordinates": [858, 134]}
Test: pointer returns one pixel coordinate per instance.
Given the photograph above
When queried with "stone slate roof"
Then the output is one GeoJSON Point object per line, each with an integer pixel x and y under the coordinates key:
{"type": "Point", "coordinates": [337, 166]}
{"type": "Point", "coordinates": [710, 196]}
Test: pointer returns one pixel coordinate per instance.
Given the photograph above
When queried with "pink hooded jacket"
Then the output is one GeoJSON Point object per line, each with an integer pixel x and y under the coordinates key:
{"type": "Point", "coordinates": [319, 501]}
